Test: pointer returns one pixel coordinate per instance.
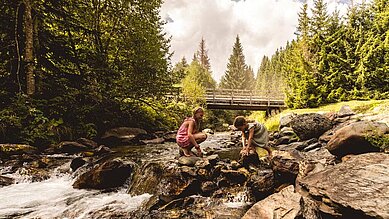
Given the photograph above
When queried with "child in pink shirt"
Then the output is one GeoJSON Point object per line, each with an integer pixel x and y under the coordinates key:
{"type": "Point", "coordinates": [189, 135]}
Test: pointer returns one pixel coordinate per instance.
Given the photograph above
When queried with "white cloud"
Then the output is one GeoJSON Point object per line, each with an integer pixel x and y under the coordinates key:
{"type": "Point", "coordinates": [262, 25]}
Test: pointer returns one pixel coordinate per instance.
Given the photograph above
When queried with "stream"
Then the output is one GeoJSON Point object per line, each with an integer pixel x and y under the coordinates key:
{"type": "Point", "coordinates": [56, 198]}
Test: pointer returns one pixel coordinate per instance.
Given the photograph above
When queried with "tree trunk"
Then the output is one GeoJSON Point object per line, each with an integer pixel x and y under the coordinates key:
{"type": "Point", "coordinates": [29, 57]}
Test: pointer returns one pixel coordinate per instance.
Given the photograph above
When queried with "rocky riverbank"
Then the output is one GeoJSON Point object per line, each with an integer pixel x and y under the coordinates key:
{"type": "Point", "coordinates": [333, 165]}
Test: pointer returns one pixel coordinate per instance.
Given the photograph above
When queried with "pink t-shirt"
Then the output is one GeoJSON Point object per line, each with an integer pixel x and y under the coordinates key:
{"type": "Point", "coordinates": [182, 137]}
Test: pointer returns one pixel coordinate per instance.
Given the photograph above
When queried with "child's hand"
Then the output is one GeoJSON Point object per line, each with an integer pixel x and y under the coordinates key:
{"type": "Point", "coordinates": [244, 151]}
{"type": "Point", "coordinates": [199, 152]}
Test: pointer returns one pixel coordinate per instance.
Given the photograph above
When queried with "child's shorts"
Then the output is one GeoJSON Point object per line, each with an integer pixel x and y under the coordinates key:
{"type": "Point", "coordinates": [184, 143]}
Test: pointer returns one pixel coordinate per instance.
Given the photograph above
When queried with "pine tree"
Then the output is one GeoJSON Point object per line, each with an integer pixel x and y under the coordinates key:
{"type": "Point", "coordinates": [250, 78]}
{"type": "Point", "coordinates": [303, 22]}
{"type": "Point", "coordinates": [202, 56]}
{"type": "Point", "coordinates": [277, 85]}
{"type": "Point", "coordinates": [263, 71]}
{"type": "Point", "coordinates": [236, 73]}
{"type": "Point", "coordinates": [373, 68]}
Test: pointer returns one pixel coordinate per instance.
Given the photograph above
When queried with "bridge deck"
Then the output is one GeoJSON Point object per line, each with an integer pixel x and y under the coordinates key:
{"type": "Point", "coordinates": [241, 99]}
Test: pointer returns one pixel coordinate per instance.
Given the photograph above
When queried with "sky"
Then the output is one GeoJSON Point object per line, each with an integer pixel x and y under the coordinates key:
{"type": "Point", "coordinates": [263, 26]}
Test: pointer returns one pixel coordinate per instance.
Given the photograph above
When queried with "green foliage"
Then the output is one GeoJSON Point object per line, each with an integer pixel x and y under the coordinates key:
{"type": "Point", "coordinates": [192, 89]}
{"type": "Point", "coordinates": [272, 123]}
{"type": "Point", "coordinates": [218, 120]}
{"type": "Point", "coordinates": [269, 82]}
{"type": "Point", "coordinates": [23, 122]}
{"type": "Point", "coordinates": [179, 71]}
{"type": "Point", "coordinates": [334, 61]}
{"type": "Point", "coordinates": [90, 57]}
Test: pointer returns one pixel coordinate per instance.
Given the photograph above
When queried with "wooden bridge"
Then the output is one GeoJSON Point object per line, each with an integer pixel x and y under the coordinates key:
{"type": "Point", "coordinates": [243, 100]}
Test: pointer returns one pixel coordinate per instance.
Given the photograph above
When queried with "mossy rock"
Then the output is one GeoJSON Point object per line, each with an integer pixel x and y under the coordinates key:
{"type": "Point", "coordinates": [7, 150]}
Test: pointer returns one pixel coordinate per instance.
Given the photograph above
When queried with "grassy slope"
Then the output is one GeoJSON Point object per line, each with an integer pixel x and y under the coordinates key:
{"type": "Point", "coordinates": [360, 107]}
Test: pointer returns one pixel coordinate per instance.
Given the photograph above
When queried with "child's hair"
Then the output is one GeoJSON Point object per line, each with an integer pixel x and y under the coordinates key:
{"type": "Point", "coordinates": [197, 122]}
{"type": "Point", "coordinates": [239, 121]}
{"type": "Point", "coordinates": [197, 109]}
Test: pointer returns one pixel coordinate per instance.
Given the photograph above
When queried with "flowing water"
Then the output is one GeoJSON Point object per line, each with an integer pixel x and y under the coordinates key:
{"type": "Point", "coordinates": [56, 198]}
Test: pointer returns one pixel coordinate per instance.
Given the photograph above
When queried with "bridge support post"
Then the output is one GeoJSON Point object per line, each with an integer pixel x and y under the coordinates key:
{"type": "Point", "coordinates": [272, 112]}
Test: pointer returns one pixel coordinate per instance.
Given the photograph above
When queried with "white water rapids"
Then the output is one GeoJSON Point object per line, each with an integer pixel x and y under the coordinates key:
{"type": "Point", "coordinates": [56, 198]}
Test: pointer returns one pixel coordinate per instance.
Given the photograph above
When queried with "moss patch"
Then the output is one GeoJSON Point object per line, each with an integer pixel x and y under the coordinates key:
{"type": "Point", "coordinates": [381, 142]}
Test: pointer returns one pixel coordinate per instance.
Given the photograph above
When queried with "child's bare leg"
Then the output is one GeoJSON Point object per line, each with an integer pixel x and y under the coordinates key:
{"type": "Point", "coordinates": [200, 137]}
{"type": "Point", "coordinates": [269, 151]}
{"type": "Point", "coordinates": [187, 151]}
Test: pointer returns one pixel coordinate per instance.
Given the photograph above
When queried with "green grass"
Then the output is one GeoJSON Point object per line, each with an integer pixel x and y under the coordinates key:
{"type": "Point", "coordinates": [360, 107]}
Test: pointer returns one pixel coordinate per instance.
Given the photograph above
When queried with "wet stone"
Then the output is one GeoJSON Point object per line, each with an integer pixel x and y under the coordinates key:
{"type": "Point", "coordinates": [188, 161]}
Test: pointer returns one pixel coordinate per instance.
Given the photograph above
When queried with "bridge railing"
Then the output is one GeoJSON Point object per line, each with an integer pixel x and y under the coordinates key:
{"type": "Point", "coordinates": [241, 94]}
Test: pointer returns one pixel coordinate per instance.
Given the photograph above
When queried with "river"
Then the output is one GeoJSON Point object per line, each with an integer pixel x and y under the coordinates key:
{"type": "Point", "coordinates": [56, 198]}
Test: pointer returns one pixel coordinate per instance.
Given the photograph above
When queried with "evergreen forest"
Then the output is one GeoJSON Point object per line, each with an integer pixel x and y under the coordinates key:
{"type": "Point", "coordinates": [76, 68]}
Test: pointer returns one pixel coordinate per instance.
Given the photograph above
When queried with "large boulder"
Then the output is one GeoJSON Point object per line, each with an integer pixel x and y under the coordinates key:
{"type": "Point", "coordinates": [315, 161]}
{"type": "Point", "coordinates": [146, 179]}
{"type": "Point", "coordinates": [357, 138]}
{"type": "Point", "coordinates": [355, 188]}
{"type": "Point", "coordinates": [110, 174]}
{"type": "Point", "coordinates": [282, 205]}
{"type": "Point", "coordinates": [261, 184]}
{"type": "Point", "coordinates": [311, 125]}
{"type": "Point", "coordinates": [285, 165]}
{"type": "Point", "coordinates": [124, 136]}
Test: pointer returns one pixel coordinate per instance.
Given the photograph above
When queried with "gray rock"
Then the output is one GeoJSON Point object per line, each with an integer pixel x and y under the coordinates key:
{"type": "Point", "coordinates": [71, 147]}
{"type": "Point", "coordinates": [262, 183]}
{"type": "Point", "coordinates": [188, 161]}
{"type": "Point", "coordinates": [123, 136]}
{"type": "Point", "coordinates": [287, 131]}
{"type": "Point", "coordinates": [110, 174]}
{"type": "Point", "coordinates": [345, 110]}
{"type": "Point", "coordinates": [282, 205]}
{"type": "Point", "coordinates": [87, 142]}
{"type": "Point", "coordinates": [286, 164]}
{"type": "Point", "coordinates": [203, 163]}
{"type": "Point", "coordinates": [312, 146]}
{"type": "Point", "coordinates": [312, 125]}
{"type": "Point", "coordinates": [355, 188]}
{"type": "Point", "coordinates": [188, 171]}
{"type": "Point", "coordinates": [170, 136]}
{"type": "Point", "coordinates": [76, 163]}
{"type": "Point", "coordinates": [285, 121]}
{"type": "Point", "coordinates": [146, 179]}
{"type": "Point", "coordinates": [354, 138]}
